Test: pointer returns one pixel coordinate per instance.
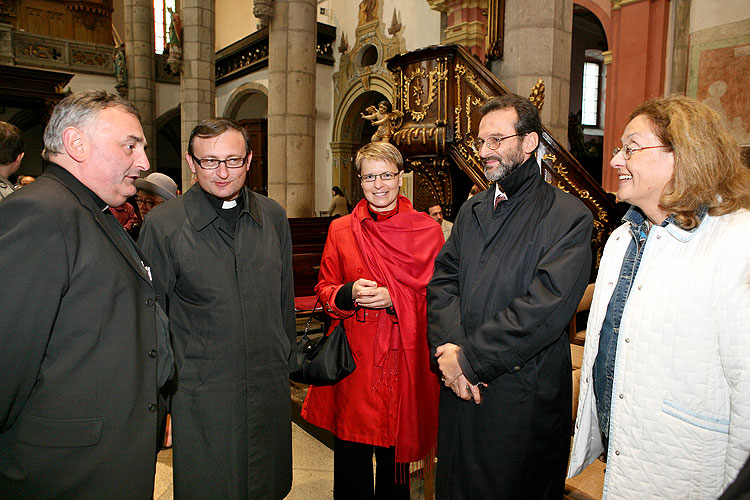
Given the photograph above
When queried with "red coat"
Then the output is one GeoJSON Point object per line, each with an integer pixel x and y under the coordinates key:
{"type": "Point", "coordinates": [391, 399]}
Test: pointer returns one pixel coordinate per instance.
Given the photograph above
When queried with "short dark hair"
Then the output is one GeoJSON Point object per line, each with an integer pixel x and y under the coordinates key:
{"type": "Point", "coordinates": [11, 143]}
{"type": "Point", "coordinates": [337, 190]}
{"type": "Point", "coordinates": [214, 127]}
{"type": "Point", "coordinates": [432, 203]}
{"type": "Point", "coordinates": [528, 115]}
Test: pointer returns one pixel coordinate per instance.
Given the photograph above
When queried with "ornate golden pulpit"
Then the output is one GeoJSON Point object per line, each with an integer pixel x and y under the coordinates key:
{"type": "Point", "coordinates": [440, 90]}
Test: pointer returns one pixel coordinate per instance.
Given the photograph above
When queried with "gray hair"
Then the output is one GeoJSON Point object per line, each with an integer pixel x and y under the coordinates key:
{"type": "Point", "coordinates": [79, 110]}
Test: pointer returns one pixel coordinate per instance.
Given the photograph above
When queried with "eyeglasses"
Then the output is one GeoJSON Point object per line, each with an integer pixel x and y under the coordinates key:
{"type": "Point", "coordinates": [213, 163]}
{"type": "Point", "coordinates": [385, 176]}
{"type": "Point", "coordinates": [146, 202]}
{"type": "Point", "coordinates": [492, 142]}
{"type": "Point", "coordinates": [628, 150]}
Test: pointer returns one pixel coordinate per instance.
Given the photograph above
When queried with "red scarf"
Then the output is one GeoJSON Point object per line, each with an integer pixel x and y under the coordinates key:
{"type": "Point", "coordinates": [400, 252]}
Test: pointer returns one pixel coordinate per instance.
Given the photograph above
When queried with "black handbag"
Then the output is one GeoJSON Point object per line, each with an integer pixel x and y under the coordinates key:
{"type": "Point", "coordinates": [323, 361]}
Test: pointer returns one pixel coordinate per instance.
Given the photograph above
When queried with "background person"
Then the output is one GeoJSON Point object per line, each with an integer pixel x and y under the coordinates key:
{"type": "Point", "coordinates": [24, 180]}
{"type": "Point", "coordinates": [153, 190]}
{"type": "Point", "coordinates": [435, 211]}
{"type": "Point", "coordinates": [665, 380]}
{"type": "Point", "coordinates": [11, 154]}
{"type": "Point", "coordinates": [375, 267]}
{"type": "Point", "coordinates": [338, 206]}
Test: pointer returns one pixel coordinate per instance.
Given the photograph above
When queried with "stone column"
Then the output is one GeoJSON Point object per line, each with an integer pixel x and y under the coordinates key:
{"type": "Point", "coordinates": [291, 106]}
{"type": "Point", "coordinates": [538, 36]}
{"type": "Point", "coordinates": [197, 81]}
{"type": "Point", "coordinates": [139, 53]}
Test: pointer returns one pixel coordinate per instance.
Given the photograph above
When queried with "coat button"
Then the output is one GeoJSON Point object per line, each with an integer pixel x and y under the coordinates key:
{"type": "Point", "coordinates": [617, 452]}
{"type": "Point", "coordinates": [620, 396]}
{"type": "Point", "coordinates": [149, 302]}
{"type": "Point", "coordinates": [610, 283]}
{"type": "Point", "coordinates": [627, 340]}
{"type": "Point", "coordinates": [152, 408]}
{"type": "Point", "coordinates": [152, 353]}
{"type": "Point", "coordinates": [640, 287]}
{"type": "Point", "coordinates": [516, 368]}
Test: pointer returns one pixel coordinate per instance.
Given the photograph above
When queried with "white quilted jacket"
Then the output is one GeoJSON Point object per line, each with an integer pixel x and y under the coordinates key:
{"type": "Point", "coordinates": [680, 415]}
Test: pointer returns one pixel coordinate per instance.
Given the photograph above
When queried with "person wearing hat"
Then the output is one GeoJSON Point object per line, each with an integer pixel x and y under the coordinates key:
{"type": "Point", "coordinates": [153, 190]}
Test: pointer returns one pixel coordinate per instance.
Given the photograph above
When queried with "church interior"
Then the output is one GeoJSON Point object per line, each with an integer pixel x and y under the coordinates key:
{"type": "Point", "coordinates": [308, 79]}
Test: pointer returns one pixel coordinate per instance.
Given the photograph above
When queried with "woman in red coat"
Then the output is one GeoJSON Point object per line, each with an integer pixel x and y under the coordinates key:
{"type": "Point", "coordinates": [373, 276]}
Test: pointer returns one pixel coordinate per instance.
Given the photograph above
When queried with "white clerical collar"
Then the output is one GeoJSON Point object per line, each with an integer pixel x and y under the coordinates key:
{"type": "Point", "coordinates": [229, 204]}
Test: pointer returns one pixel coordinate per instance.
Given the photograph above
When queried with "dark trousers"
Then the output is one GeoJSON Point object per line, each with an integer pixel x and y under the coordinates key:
{"type": "Point", "coordinates": [352, 472]}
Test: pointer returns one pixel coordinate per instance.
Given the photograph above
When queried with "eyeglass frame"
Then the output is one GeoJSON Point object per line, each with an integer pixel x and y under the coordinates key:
{"type": "Point", "coordinates": [627, 150]}
{"type": "Point", "coordinates": [499, 140]}
{"type": "Point", "coordinates": [224, 161]}
{"type": "Point", "coordinates": [375, 176]}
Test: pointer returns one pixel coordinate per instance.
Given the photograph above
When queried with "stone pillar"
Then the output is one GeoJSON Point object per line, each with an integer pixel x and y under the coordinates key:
{"type": "Point", "coordinates": [197, 81]}
{"type": "Point", "coordinates": [291, 106]}
{"type": "Point", "coordinates": [538, 36]}
{"type": "Point", "coordinates": [139, 53]}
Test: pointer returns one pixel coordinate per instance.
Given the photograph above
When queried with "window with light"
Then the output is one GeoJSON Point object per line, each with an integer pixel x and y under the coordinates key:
{"type": "Point", "coordinates": [162, 19]}
{"type": "Point", "coordinates": [591, 78]}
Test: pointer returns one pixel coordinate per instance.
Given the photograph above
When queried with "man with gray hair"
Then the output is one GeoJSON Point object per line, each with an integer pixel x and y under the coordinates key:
{"type": "Point", "coordinates": [11, 154]}
{"type": "Point", "coordinates": [85, 349]}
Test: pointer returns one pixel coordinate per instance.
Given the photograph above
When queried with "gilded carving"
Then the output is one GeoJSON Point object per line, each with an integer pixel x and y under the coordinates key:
{"type": "Point", "coordinates": [537, 95]}
{"type": "Point", "coordinates": [414, 88]}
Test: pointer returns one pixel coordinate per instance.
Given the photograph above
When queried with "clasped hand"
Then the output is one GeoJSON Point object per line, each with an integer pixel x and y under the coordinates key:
{"type": "Point", "coordinates": [367, 293]}
{"type": "Point", "coordinates": [453, 375]}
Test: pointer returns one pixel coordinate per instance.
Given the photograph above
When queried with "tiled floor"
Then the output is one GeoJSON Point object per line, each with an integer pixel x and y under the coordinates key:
{"type": "Point", "coordinates": [312, 470]}
{"type": "Point", "coordinates": [313, 474]}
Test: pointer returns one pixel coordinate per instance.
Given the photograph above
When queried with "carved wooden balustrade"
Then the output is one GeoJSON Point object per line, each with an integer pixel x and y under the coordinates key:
{"type": "Point", "coordinates": [440, 90]}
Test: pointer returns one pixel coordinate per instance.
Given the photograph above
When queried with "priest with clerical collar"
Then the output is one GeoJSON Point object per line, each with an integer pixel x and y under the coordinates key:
{"type": "Point", "coordinates": [222, 263]}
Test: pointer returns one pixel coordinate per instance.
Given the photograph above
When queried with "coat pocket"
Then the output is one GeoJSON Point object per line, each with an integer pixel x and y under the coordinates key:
{"type": "Point", "coordinates": [59, 433]}
{"type": "Point", "coordinates": [696, 418]}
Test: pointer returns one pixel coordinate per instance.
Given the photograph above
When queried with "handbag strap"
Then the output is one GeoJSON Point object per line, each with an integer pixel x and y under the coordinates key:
{"type": "Point", "coordinates": [307, 325]}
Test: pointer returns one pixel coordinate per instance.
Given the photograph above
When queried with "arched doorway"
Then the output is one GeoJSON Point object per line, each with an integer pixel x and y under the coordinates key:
{"type": "Point", "coordinates": [168, 146]}
{"type": "Point", "coordinates": [248, 105]}
{"type": "Point", "coordinates": [587, 90]}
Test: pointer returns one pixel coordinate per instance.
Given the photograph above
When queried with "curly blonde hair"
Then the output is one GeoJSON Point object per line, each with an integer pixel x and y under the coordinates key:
{"type": "Point", "coordinates": [708, 170]}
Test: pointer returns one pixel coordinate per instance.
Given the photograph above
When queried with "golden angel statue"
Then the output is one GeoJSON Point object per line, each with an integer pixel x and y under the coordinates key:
{"type": "Point", "coordinates": [387, 122]}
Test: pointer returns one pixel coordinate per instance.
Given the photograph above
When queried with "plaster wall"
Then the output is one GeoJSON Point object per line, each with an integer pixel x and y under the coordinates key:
{"type": "Point", "coordinates": [81, 81]}
{"type": "Point", "coordinates": [224, 92]}
{"type": "Point", "coordinates": [706, 14]}
{"type": "Point", "coordinates": [234, 21]}
{"type": "Point", "coordinates": [167, 96]}
{"type": "Point", "coordinates": [323, 131]}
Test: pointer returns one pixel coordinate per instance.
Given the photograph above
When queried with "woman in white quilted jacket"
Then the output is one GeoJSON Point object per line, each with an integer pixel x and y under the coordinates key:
{"type": "Point", "coordinates": [665, 382]}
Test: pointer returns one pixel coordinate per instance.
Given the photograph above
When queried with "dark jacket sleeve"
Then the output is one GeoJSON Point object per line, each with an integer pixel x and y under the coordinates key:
{"type": "Point", "coordinates": [534, 320]}
{"type": "Point", "coordinates": [30, 297]}
{"type": "Point", "coordinates": [444, 297]}
{"type": "Point", "coordinates": [155, 247]}
{"type": "Point", "coordinates": [287, 278]}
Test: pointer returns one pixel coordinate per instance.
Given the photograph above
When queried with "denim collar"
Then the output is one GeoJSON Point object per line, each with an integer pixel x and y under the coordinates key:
{"type": "Point", "coordinates": [637, 220]}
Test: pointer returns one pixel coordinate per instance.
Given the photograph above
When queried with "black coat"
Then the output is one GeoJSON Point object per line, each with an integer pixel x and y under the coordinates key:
{"type": "Point", "coordinates": [230, 300]}
{"type": "Point", "coordinates": [77, 350]}
{"type": "Point", "coordinates": [506, 284]}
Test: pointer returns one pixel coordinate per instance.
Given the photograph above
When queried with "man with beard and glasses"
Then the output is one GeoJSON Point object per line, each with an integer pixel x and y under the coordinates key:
{"type": "Point", "coordinates": [505, 286]}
